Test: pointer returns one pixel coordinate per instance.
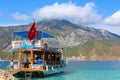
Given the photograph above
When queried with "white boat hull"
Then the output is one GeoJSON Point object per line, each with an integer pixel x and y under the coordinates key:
{"type": "Point", "coordinates": [39, 73]}
{"type": "Point", "coordinates": [53, 71]}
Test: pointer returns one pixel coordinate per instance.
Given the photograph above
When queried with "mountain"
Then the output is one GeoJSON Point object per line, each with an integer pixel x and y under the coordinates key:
{"type": "Point", "coordinates": [71, 36]}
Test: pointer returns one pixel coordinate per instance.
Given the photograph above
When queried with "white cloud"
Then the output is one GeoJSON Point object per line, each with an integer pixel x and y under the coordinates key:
{"type": "Point", "coordinates": [110, 28]}
{"type": "Point", "coordinates": [77, 14]}
{"type": "Point", "coordinates": [114, 19]}
{"type": "Point", "coordinates": [19, 16]}
{"type": "Point", "coordinates": [10, 24]}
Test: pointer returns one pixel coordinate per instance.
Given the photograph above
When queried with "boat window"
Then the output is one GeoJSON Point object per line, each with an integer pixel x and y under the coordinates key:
{"type": "Point", "coordinates": [26, 59]}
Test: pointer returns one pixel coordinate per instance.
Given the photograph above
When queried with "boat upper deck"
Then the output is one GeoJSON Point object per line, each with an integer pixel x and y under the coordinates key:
{"type": "Point", "coordinates": [23, 41]}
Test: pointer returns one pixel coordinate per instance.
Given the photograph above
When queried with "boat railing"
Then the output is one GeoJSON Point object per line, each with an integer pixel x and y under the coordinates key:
{"type": "Point", "coordinates": [36, 65]}
{"type": "Point", "coordinates": [53, 62]}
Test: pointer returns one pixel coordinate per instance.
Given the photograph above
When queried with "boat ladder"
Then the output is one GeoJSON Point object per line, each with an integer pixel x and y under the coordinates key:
{"type": "Point", "coordinates": [28, 75]}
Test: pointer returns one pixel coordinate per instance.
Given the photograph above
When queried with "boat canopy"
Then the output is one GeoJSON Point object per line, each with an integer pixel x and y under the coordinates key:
{"type": "Point", "coordinates": [41, 34]}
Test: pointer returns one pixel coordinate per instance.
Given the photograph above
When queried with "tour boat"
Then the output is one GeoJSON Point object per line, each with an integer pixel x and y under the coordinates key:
{"type": "Point", "coordinates": [35, 57]}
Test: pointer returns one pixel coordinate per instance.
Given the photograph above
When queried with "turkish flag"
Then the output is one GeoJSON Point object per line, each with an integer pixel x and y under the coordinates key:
{"type": "Point", "coordinates": [33, 31]}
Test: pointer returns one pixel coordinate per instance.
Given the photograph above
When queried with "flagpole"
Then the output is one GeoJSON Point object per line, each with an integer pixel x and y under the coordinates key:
{"type": "Point", "coordinates": [37, 37]}
{"type": "Point", "coordinates": [33, 20]}
{"type": "Point", "coordinates": [35, 26]}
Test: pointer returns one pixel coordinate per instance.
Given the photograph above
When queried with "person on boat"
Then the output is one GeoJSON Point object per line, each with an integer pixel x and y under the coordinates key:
{"type": "Point", "coordinates": [39, 61]}
{"type": "Point", "coordinates": [61, 50]}
{"type": "Point", "coordinates": [11, 64]}
{"type": "Point", "coordinates": [39, 41]}
{"type": "Point", "coordinates": [26, 64]}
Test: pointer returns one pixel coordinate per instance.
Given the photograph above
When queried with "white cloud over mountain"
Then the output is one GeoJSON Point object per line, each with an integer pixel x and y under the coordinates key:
{"type": "Point", "coordinates": [86, 14]}
{"type": "Point", "coordinates": [20, 17]}
{"type": "Point", "coordinates": [114, 19]}
{"type": "Point", "coordinates": [78, 14]}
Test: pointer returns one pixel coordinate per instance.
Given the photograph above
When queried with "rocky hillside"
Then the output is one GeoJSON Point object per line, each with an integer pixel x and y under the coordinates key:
{"type": "Point", "coordinates": [68, 34]}
{"type": "Point", "coordinates": [6, 75]}
{"type": "Point", "coordinates": [95, 50]}
{"type": "Point", "coordinates": [64, 30]}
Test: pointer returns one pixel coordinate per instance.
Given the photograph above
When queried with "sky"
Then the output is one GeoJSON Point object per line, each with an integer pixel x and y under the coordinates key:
{"type": "Point", "coordinates": [101, 14]}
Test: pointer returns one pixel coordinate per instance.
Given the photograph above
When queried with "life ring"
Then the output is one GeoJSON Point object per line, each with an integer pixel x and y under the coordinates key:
{"type": "Point", "coordinates": [45, 45]}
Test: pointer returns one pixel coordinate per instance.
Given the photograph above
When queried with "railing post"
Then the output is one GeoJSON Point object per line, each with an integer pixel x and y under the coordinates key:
{"type": "Point", "coordinates": [31, 57]}
{"type": "Point", "coordinates": [19, 58]}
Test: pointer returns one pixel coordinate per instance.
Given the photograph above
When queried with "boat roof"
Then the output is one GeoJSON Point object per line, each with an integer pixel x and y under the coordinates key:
{"type": "Point", "coordinates": [41, 34]}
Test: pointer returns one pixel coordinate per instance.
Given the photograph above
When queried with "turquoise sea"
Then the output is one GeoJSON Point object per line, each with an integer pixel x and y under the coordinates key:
{"type": "Point", "coordinates": [87, 70]}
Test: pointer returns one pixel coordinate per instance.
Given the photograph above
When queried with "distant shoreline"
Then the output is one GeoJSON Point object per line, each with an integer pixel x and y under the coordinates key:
{"type": "Point", "coordinates": [70, 59]}
{"type": "Point", "coordinates": [93, 60]}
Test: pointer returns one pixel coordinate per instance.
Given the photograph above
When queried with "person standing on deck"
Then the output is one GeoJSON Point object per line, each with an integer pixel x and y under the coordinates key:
{"type": "Point", "coordinates": [39, 41]}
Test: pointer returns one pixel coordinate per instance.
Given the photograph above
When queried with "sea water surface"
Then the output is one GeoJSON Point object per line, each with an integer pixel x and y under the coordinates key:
{"type": "Point", "coordinates": [87, 70]}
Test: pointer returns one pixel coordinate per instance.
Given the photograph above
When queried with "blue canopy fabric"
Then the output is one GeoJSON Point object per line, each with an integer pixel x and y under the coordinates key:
{"type": "Point", "coordinates": [24, 34]}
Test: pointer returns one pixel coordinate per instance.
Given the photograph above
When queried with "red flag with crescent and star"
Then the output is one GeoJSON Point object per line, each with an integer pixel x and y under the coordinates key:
{"type": "Point", "coordinates": [32, 31]}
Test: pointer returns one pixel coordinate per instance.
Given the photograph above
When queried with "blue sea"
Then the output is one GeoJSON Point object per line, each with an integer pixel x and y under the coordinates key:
{"type": "Point", "coordinates": [87, 70]}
